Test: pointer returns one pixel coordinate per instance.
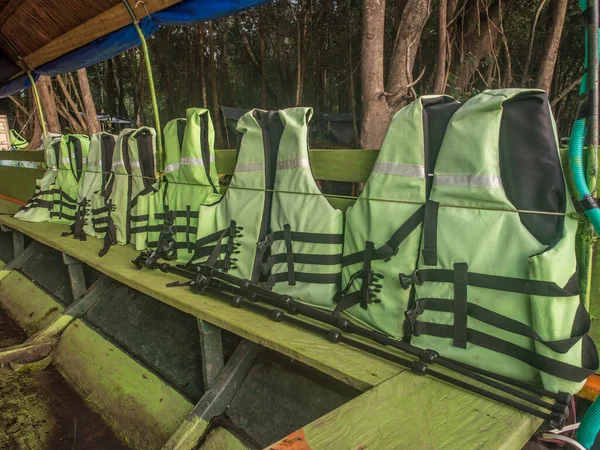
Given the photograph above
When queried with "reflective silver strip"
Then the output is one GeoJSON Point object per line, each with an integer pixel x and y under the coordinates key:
{"type": "Point", "coordinates": [470, 181]}
{"type": "Point", "coordinates": [172, 167]}
{"type": "Point", "coordinates": [64, 161]}
{"type": "Point", "coordinates": [405, 170]}
{"type": "Point", "coordinates": [187, 161]}
{"type": "Point", "coordinates": [250, 167]}
{"type": "Point", "coordinates": [84, 160]}
{"type": "Point", "coordinates": [118, 163]}
{"type": "Point", "coordinates": [293, 164]}
{"type": "Point", "coordinates": [135, 164]}
{"type": "Point", "coordinates": [94, 163]}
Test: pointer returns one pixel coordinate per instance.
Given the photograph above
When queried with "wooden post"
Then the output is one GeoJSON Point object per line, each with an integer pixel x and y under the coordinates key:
{"type": "Point", "coordinates": [18, 243]}
{"type": "Point", "coordinates": [76, 276]}
{"type": "Point", "coordinates": [211, 347]}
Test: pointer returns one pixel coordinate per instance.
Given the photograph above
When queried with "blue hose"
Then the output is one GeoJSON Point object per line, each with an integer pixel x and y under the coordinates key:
{"type": "Point", "coordinates": [586, 434]}
{"type": "Point", "coordinates": [576, 146]}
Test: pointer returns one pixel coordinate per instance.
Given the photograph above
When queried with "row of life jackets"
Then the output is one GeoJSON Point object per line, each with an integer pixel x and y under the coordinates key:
{"type": "Point", "coordinates": [463, 240]}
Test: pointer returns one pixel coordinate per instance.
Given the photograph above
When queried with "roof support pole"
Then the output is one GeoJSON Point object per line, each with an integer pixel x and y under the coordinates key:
{"type": "Point", "coordinates": [157, 126]}
{"type": "Point", "coordinates": [38, 103]}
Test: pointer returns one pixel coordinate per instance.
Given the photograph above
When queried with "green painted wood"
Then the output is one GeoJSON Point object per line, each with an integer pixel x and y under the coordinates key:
{"type": "Point", "coordinates": [23, 155]}
{"type": "Point", "coordinates": [415, 412]}
{"type": "Point", "coordinates": [18, 182]}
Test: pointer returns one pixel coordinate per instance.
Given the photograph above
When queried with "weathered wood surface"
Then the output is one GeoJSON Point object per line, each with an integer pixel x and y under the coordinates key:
{"type": "Point", "coordinates": [408, 412]}
{"type": "Point", "coordinates": [424, 409]}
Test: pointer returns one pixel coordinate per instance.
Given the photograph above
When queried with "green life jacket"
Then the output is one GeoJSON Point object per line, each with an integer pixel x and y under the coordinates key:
{"type": "Point", "coordinates": [132, 180]}
{"type": "Point", "coordinates": [197, 180]}
{"type": "Point", "coordinates": [306, 231]}
{"type": "Point", "coordinates": [383, 228]}
{"type": "Point", "coordinates": [230, 229]}
{"type": "Point", "coordinates": [93, 180]}
{"type": "Point", "coordinates": [161, 234]}
{"type": "Point", "coordinates": [17, 141]}
{"type": "Point", "coordinates": [107, 145]}
{"type": "Point", "coordinates": [38, 208]}
{"type": "Point", "coordinates": [485, 271]}
{"type": "Point", "coordinates": [72, 161]}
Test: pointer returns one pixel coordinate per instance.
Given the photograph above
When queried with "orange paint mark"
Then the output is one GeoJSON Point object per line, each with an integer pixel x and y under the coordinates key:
{"type": "Point", "coordinates": [294, 441]}
{"type": "Point", "coordinates": [591, 390]}
{"type": "Point", "coordinates": [12, 199]}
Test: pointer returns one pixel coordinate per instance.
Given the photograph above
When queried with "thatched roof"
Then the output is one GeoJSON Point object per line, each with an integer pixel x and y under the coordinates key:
{"type": "Point", "coordinates": [38, 31]}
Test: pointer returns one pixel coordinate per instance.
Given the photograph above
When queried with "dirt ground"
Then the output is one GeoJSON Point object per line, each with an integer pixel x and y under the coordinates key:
{"type": "Point", "coordinates": [41, 411]}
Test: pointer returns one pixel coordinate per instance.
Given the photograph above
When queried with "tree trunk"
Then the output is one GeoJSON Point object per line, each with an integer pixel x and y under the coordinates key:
{"type": "Point", "coordinates": [439, 82]}
{"type": "Point", "coordinates": [531, 41]}
{"type": "Point", "coordinates": [119, 78]}
{"type": "Point", "coordinates": [201, 65]}
{"type": "Point", "coordinates": [111, 95]}
{"type": "Point", "coordinates": [558, 9]}
{"type": "Point", "coordinates": [214, 90]}
{"type": "Point", "coordinates": [71, 103]}
{"type": "Point", "coordinates": [36, 140]}
{"type": "Point", "coordinates": [91, 118]}
{"type": "Point", "coordinates": [480, 41]}
{"type": "Point", "coordinates": [263, 69]}
{"type": "Point", "coordinates": [46, 92]}
{"type": "Point", "coordinates": [400, 78]}
{"type": "Point", "coordinates": [376, 116]}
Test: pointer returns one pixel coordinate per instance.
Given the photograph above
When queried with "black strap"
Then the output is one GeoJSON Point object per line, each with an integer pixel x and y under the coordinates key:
{"type": "Point", "coordinates": [540, 362]}
{"type": "Point", "coordinates": [306, 258]}
{"type": "Point", "coordinates": [141, 218]}
{"type": "Point", "coordinates": [315, 238]}
{"type": "Point", "coordinates": [62, 215]}
{"type": "Point", "coordinates": [494, 319]}
{"type": "Point", "coordinates": [103, 229]}
{"type": "Point", "coordinates": [364, 294]}
{"type": "Point", "coordinates": [289, 253]}
{"type": "Point", "coordinates": [390, 248]}
{"type": "Point", "coordinates": [209, 239]}
{"type": "Point", "coordinates": [136, 230]}
{"type": "Point", "coordinates": [45, 204]}
{"type": "Point", "coordinates": [460, 305]}
{"type": "Point", "coordinates": [188, 242]}
{"type": "Point", "coordinates": [498, 283]}
{"type": "Point", "coordinates": [99, 220]}
{"type": "Point", "coordinates": [430, 226]}
{"type": "Point", "coordinates": [101, 210]}
{"type": "Point", "coordinates": [67, 197]}
{"type": "Point", "coordinates": [316, 278]}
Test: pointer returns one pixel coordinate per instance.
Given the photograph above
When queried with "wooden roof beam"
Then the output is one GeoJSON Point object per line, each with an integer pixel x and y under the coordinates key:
{"type": "Point", "coordinates": [110, 20]}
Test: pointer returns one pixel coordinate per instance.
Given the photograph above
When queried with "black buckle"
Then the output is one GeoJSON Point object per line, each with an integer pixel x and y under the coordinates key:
{"type": "Point", "coordinates": [266, 242]}
{"type": "Point", "coordinates": [406, 281]}
{"type": "Point", "coordinates": [411, 317]}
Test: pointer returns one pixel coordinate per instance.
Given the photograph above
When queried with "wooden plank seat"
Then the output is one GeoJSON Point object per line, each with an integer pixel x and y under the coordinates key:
{"type": "Point", "coordinates": [420, 412]}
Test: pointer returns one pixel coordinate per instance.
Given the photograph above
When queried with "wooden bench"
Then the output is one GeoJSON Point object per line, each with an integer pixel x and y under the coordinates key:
{"type": "Point", "coordinates": [397, 410]}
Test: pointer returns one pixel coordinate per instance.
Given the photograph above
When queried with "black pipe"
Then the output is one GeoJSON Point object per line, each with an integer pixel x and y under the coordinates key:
{"type": "Point", "coordinates": [204, 280]}
{"type": "Point", "coordinates": [417, 367]}
{"type": "Point", "coordinates": [428, 356]}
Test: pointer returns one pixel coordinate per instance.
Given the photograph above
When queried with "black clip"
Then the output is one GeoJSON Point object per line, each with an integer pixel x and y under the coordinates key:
{"type": "Point", "coordinates": [266, 242]}
{"type": "Point", "coordinates": [406, 281]}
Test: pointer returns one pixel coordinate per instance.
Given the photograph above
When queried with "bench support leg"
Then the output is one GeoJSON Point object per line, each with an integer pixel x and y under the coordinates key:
{"type": "Point", "coordinates": [215, 401]}
{"type": "Point", "coordinates": [211, 347]}
{"type": "Point", "coordinates": [18, 243]}
{"type": "Point", "coordinates": [76, 276]}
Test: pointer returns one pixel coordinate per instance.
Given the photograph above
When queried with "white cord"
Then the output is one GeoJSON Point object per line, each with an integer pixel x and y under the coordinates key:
{"type": "Point", "coordinates": [565, 429]}
{"type": "Point", "coordinates": [567, 440]}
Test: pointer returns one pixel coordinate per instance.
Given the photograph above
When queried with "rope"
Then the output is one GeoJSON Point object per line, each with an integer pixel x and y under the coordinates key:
{"type": "Point", "coordinates": [338, 196]}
